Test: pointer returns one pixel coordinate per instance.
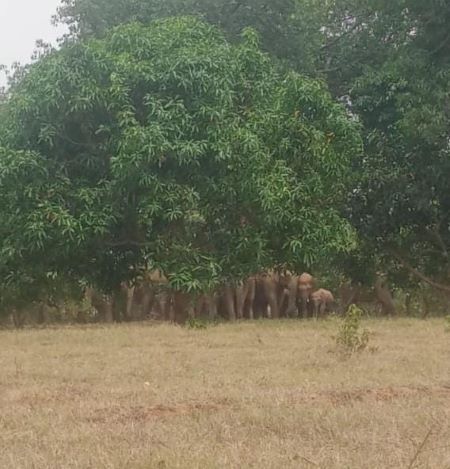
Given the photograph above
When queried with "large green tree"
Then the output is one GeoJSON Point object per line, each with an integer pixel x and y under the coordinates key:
{"type": "Point", "coordinates": [167, 145]}
{"type": "Point", "coordinates": [392, 59]}
{"type": "Point", "coordinates": [389, 61]}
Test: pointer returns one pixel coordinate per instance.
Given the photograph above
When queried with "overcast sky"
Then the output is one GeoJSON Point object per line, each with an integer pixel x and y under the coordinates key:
{"type": "Point", "coordinates": [22, 22]}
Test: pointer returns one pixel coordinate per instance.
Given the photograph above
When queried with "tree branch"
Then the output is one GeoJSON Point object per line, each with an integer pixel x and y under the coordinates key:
{"type": "Point", "coordinates": [437, 238]}
{"type": "Point", "coordinates": [412, 270]}
{"type": "Point", "coordinates": [441, 45]}
{"type": "Point", "coordinates": [337, 39]}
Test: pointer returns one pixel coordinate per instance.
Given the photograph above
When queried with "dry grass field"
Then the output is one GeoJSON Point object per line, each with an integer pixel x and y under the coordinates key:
{"type": "Point", "coordinates": [252, 395]}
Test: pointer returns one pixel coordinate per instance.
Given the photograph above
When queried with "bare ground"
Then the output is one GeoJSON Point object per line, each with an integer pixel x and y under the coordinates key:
{"type": "Point", "coordinates": [251, 395]}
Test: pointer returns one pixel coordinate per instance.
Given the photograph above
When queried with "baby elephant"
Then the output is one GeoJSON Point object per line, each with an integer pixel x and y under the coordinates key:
{"type": "Point", "coordinates": [321, 301]}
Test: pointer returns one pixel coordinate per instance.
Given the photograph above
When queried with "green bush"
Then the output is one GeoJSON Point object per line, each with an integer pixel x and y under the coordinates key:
{"type": "Point", "coordinates": [350, 336]}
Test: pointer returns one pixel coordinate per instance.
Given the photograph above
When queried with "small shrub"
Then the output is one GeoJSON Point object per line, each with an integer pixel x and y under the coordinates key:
{"type": "Point", "coordinates": [350, 336]}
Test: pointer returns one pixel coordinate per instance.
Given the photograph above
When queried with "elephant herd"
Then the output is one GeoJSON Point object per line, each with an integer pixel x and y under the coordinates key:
{"type": "Point", "coordinates": [267, 295]}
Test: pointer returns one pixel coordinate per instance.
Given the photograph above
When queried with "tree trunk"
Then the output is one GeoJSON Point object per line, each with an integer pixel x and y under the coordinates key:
{"type": "Point", "coordinates": [162, 303]}
{"type": "Point", "coordinates": [129, 292]}
{"type": "Point", "coordinates": [426, 306]}
{"type": "Point", "coordinates": [384, 297]}
{"type": "Point", "coordinates": [17, 318]}
{"type": "Point", "coordinates": [43, 314]}
{"type": "Point", "coordinates": [181, 305]}
{"type": "Point", "coordinates": [241, 295]}
{"type": "Point", "coordinates": [349, 294]}
{"type": "Point", "coordinates": [108, 313]}
{"type": "Point", "coordinates": [148, 300]}
{"type": "Point", "coordinates": [408, 304]}
{"type": "Point", "coordinates": [171, 310]}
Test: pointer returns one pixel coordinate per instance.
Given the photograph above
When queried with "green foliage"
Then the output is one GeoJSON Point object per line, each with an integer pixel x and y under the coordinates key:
{"type": "Point", "coordinates": [350, 336]}
{"type": "Point", "coordinates": [389, 61]}
{"type": "Point", "coordinates": [289, 30]}
{"type": "Point", "coordinates": [165, 145]}
{"type": "Point", "coordinates": [393, 60]}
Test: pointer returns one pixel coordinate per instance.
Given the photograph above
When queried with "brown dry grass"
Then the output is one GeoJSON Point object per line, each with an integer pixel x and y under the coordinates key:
{"type": "Point", "coordinates": [261, 395]}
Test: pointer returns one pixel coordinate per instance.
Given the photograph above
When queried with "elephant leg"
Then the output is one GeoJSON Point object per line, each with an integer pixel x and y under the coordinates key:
{"type": "Point", "coordinates": [322, 309]}
{"type": "Point", "coordinates": [282, 299]}
{"type": "Point", "coordinates": [170, 313]}
{"type": "Point", "coordinates": [206, 305]}
{"type": "Point", "coordinates": [304, 306]}
{"type": "Point", "coordinates": [260, 300]}
{"type": "Point", "coordinates": [292, 309]}
{"type": "Point", "coordinates": [241, 293]}
{"type": "Point", "coordinates": [212, 307]}
{"type": "Point", "coordinates": [259, 310]}
{"type": "Point", "coordinates": [251, 292]}
{"type": "Point", "coordinates": [229, 303]}
{"type": "Point", "coordinates": [271, 296]}
{"type": "Point", "coordinates": [148, 299]}
{"type": "Point", "coordinates": [315, 309]}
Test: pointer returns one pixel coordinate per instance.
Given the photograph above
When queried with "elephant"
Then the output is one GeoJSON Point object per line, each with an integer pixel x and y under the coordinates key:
{"type": "Point", "coordinates": [207, 305]}
{"type": "Point", "coordinates": [288, 284]}
{"type": "Point", "coordinates": [356, 293]}
{"type": "Point", "coordinates": [321, 301]}
{"type": "Point", "coordinates": [148, 296]}
{"type": "Point", "coordinates": [245, 293]}
{"type": "Point", "coordinates": [305, 289]}
{"type": "Point", "coordinates": [276, 294]}
{"type": "Point", "coordinates": [104, 304]}
{"type": "Point", "coordinates": [268, 296]}
{"type": "Point", "coordinates": [238, 300]}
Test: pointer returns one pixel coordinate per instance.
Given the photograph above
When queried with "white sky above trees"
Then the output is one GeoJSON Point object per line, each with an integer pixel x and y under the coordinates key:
{"type": "Point", "coordinates": [22, 22]}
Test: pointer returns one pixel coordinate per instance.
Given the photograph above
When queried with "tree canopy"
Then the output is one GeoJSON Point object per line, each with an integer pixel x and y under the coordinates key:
{"type": "Point", "coordinates": [290, 30]}
{"type": "Point", "coordinates": [166, 144]}
{"type": "Point", "coordinates": [388, 62]}
{"type": "Point", "coordinates": [393, 63]}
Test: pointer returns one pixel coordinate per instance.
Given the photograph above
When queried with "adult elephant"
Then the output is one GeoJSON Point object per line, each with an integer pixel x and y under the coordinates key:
{"type": "Point", "coordinates": [238, 299]}
{"type": "Point", "coordinates": [206, 305]}
{"type": "Point", "coordinates": [288, 286]}
{"type": "Point", "coordinates": [268, 297]}
{"type": "Point", "coordinates": [305, 287]}
{"type": "Point", "coordinates": [276, 294]}
{"type": "Point", "coordinates": [245, 292]}
{"type": "Point", "coordinates": [149, 295]}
